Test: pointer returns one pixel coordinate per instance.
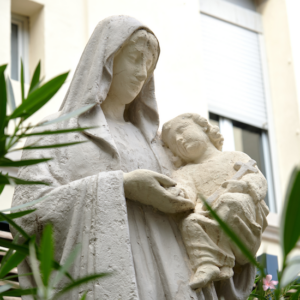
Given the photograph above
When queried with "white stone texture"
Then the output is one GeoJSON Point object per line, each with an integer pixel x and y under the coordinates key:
{"type": "Point", "coordinates": [234, 187]}
{"type": "Point", "coordinates": [89, 182]}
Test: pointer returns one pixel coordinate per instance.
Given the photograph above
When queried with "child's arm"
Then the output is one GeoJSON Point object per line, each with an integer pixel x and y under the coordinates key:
{"type": "Point", "coordinates": [253, 184]}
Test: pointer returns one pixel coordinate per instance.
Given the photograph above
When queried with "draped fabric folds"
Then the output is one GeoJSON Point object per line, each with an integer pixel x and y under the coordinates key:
{"type": "Point", "coordinates": [86, 202]}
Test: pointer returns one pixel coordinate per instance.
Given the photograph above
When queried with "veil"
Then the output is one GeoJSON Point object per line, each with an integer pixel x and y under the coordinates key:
{"type": "Point", "coordinates": [93, 77]}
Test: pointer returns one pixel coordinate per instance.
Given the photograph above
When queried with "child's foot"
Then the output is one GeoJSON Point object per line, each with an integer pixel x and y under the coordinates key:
{"type": "Point", "coordinates": [225, 273]}
{"type": "Point", "coordinates": [204, 274]}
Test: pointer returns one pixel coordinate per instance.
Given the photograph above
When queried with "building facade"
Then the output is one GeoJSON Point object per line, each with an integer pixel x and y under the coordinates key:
{"type": "Point", "coordinates": [236, 62]}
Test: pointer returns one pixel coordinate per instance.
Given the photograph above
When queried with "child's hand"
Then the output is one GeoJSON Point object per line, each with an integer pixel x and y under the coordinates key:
{"type": "Point", "coordinates": [176, 191]}
{"type": "Point", "coordinates": [236, 186]}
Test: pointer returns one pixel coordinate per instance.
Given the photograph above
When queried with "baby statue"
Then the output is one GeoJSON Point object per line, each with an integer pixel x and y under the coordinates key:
{"type": "Point", "coordinates": [231, 183]}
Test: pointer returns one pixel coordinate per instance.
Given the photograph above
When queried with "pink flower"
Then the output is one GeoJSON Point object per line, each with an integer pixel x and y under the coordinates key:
{"type": "Point", "coordinates": [268, 283]}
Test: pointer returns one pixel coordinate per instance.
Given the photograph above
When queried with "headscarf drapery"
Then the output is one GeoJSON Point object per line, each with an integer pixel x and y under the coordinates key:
{"type": "Point", "coordinates": [94, 74]}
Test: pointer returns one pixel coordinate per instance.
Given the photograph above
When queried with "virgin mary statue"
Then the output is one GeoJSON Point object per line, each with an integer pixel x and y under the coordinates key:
{"type": "Point", "coordinates": [108, 194]}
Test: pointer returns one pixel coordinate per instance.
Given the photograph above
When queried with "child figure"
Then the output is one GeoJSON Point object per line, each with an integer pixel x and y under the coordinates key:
{"type": "Point", "coordinates": [204, 169]}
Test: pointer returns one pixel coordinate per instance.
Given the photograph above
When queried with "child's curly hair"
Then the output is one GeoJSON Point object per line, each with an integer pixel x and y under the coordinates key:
{"type": "Point", "coordinates": [213, 132]}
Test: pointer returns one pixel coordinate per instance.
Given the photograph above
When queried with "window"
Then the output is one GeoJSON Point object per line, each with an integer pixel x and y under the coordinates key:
{"type": "Point", "coordinates": [252, 141]}
{"type": "Point", "coordinates": [19, 46]}
{"type": "Point", "coordinates": [249, 4]}
{"type": "Point", "coordinates": [234, 86]}
{"type": "Point", "coordinates": [232, 63]}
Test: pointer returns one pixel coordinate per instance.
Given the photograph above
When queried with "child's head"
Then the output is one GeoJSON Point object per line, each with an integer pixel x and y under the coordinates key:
{"type": "Point", "coordinates": [189, 135]}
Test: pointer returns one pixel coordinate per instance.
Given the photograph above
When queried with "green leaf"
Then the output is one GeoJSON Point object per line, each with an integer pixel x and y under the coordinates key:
{"type": "Point", "coordinates": [39, 97]}
{"type": "Point", "coordinates": [295, 295]}
{"type": "Point", "coordinates": [35, 78]}
{"type": "Point", "coordinates": [19, 214]}
{"type": "Point", "coordinates": [21, 206]}
{"type": "Point", "coordinates": [257, 296]}
{"type": "Point", "coordinates": [2, 186]}
{"type": "Point", "coordinates": [70, 259]}
{"type": "Point", "coordinates": [4, 162]}
{"type": "Point", "coordinates": [3, 103]}
{"type": "Point", "coordinates": [233, 237]}
{"type": "Point", "coordinates": [19, 292]}
{"type": "Point", "coordinates": [46, 254]}
{"type": "Point", "coordinates": [5, 179]}
{"type": "Point", "coordinates": [13, 261]}
{"type": "Point", "coordinates": [289, 228]}
{"type": "Point", "coordinates": [2, 68]}
{"type": "Point", "coordinates": [21, 248]}
{"type": "Point", "coordinates": [49, 132]}
{"type": "Point", "coordinates": [79, 282]}
{"type": "Point", "coordinates": [67, 116]}
{"type": "Point", "coordinates": [17, 276]}
{"type": "Point", "coordinates": [57, 267]}
{"type": "Point", "coordinates": [21, 181]}
{"type": "Point", "coordinates": [83, 296]}
{"type": "Point", "coordinates": [35, 265]}
{"type": "Point", "coordinates": [10, 252]}
{"type": "Point", "coordinates": [49, 146]}
{"type": "Point", "coordinates": [291, 271]}
{"type": "Point", "coordinates": [11, 96]}
{"type": "Point", "coordinates": [22, 81]}
{"type": "Point", "coordinates": [24, 248]}
{"type": "Point", "coordinates": [12, 223]}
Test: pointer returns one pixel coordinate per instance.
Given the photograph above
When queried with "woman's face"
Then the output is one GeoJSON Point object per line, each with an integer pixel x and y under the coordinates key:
{"type": "Point", "coordinates": [132, 66]}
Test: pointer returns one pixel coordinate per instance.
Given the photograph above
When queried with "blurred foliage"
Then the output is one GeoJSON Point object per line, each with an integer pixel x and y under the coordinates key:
{"type": "Point", "coordinates": [46, 272]}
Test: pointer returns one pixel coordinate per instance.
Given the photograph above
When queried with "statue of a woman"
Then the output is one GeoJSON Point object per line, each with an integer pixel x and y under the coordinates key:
{"type": "Point", "coordinates": [90, 184]}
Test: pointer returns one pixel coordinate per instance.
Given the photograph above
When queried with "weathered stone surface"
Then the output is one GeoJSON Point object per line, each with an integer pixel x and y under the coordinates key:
{"type": "Point", "coordinates": [232, 185]}
{"type": "Point", "coordinates": [112, 194]}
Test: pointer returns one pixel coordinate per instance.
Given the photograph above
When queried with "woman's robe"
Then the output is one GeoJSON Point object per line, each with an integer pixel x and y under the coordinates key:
{"type": "Point", "coordinates": [141, 247]}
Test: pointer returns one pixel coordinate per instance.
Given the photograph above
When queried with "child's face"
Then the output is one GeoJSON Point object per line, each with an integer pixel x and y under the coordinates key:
{"type": "Point", "coordinates": [187, 139]}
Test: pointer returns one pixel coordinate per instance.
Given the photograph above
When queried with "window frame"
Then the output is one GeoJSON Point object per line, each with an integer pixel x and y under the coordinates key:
{"type": "Point", "coordinates": [271, 127]}
{"type": "Point", "coordinates": [227, 130]}
{"type": "Point", "coordinates": [232, 13]}
{"type": "Point", "coordinates": [23, 43]}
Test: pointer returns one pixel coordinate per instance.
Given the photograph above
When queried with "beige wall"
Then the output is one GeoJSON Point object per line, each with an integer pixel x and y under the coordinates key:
{"type": "Point", "coordinates": [293, 11]}
{"type": "Point", "coordinates": [4, 31]}
{"type": "Point", "coordinates": [285, 109]}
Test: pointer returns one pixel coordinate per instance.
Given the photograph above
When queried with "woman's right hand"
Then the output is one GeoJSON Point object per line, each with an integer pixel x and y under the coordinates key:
{"type": "Point", "coordinates": [148, 187]}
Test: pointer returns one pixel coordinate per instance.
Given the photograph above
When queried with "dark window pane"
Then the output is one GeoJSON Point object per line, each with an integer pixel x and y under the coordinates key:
{"type": "Point", "coordinates": [14, 52]}
{"type": "Point", "coordinates": [248, 139]}
{"type": "Point", "coordinates": [213, 119]}
{"type": "Point", "coordinates": [249, 142]}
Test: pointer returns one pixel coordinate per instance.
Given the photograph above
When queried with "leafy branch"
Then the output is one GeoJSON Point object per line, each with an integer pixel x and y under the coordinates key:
{"type": "Point", "coordinates": [41, 256]}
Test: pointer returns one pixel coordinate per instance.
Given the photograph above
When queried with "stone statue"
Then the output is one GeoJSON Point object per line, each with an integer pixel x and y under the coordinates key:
{"type": "Point", "coordinates": [111, 194]}
{"type": "Point", "coordinates": [233, 186]}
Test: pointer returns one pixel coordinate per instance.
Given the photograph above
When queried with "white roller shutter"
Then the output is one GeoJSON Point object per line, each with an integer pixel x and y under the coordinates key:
{"type": "Point", "coordinates": [232, 71]}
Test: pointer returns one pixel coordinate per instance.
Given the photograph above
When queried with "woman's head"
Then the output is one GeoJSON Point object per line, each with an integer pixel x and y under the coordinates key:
{"type": "Point", "coordinates": [94, 76]}
{"type": "Point", "coordinates": [189, 135]}
{"type": "Point", "coordinates": [134, 62]}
